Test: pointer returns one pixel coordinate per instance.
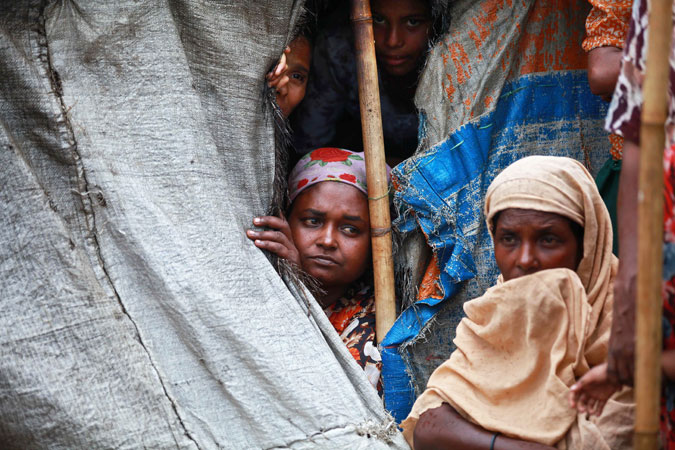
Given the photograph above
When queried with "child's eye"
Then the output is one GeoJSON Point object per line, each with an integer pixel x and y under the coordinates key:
{"type": "Point", "coordinates": [298, 77]}
{"type": "Point", "coordinates": [378, 19]}
{"type": "Point", "coordinates": [414, 22]}
{"type": "Point", "coordinates": [507, 239]}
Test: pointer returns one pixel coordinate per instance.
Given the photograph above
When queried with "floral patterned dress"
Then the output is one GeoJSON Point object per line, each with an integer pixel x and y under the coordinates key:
{"type": "Point", "coordinates": [624, 119]}
{"type": "Point", "coordinates": [353, 317]}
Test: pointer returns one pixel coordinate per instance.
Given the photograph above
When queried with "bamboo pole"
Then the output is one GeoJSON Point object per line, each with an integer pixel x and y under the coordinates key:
{"type": "Point", "coordinates": [376, 172]}
{"type": "Point", "coordinates": [650, 227]}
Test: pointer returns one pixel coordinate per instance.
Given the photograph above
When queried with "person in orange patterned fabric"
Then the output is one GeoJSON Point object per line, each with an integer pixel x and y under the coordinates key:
{"type": "Point", "coordinates": [327, 234]}
{"type": "Point", "coordinates": [606, 29]}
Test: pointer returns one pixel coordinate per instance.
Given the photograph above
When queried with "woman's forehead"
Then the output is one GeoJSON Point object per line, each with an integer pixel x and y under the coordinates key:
{"type": "Point", "coordinates": [328, 195]}
{"type": "Point", "coordinates": [519, 217]}
{"type": "Point", "coordinates": [402, 7]}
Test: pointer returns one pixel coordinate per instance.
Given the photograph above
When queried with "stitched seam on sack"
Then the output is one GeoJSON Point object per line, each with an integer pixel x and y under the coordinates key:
{"type": "Point", "coordinates": [383, 432]}
{"type": "Point", "coordinates": [84, 190]}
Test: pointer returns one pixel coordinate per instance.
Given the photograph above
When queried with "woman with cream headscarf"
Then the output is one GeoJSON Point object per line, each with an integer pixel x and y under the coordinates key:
{"type": "Point", "coordinates": [546, 322]}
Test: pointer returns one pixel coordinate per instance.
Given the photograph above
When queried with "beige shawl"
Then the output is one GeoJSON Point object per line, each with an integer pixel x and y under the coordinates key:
{"type": "Point", "coordinates": [525, 342]}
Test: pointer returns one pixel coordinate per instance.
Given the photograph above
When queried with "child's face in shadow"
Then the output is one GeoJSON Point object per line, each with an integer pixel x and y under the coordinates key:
{"type": "Point", "coordinates": [527, 241]}
{"type": "Point", "coordinates": [298, 60]}
{"type": "Point", "coordinates": [331, 231]}
{"type": "Point", "coordinates": [401, 29]}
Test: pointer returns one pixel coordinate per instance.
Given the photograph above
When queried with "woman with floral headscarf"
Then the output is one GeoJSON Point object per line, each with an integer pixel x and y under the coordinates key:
{"type": "Point", "coordinates": [327, 235]}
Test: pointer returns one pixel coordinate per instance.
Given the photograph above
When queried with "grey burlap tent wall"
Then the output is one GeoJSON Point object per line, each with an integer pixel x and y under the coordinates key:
{"type": "Point", "coordinates": [134, 312]}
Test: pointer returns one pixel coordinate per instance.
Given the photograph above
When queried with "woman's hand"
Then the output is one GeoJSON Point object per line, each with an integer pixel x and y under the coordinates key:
{"type": "Point", "coordinates": [591, 392]}
{"type": "Point", "coordinates": [277, 77]}
{"type": "Point", "coordinates": [277, 240]}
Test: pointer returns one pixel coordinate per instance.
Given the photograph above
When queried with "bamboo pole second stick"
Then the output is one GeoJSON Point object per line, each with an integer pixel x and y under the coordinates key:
{"type": "Point", "coordinates": [650, 227]}
{"type": "Point", "coordinates": [376, 172]}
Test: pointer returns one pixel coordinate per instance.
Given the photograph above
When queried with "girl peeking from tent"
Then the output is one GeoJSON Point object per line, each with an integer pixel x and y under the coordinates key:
{"type": "Point", "coordinates": [327, 234]}
{"type": "Point", "coordinates": [289, 77]}
{"type": "Point", "coordinates": [330, 113]}
{"type": "Point", "coordinates": [546, 323]}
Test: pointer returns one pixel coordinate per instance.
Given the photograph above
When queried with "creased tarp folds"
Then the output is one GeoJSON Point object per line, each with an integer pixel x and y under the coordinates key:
{"type": "Point", "coordinates": [135, 313]}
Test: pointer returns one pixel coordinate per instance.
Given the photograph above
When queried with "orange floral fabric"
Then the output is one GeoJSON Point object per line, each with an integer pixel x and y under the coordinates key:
{"type": "Point", "coordinates": [617, 146]}
{"type": "Point", "coordinates": [430, 287]}
{"type": "Point", "coordinates": [353, 317]}
{"type": "Point", "coordinates": [607, 24]}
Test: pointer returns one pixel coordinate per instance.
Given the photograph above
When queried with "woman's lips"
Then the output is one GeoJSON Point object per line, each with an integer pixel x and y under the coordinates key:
{"type": "Point", "coordinates": [394, 60]}
{"type": "Point", "coordinates": [322, 260]}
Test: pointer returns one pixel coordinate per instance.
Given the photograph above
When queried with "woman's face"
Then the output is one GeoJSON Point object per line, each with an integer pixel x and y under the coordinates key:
{"type": "Point", "coordinates": [401, 29]}
{"type": "Point", "coordinates": [527, 241]}
{"type": "Point", "coordinates": [331, 230]}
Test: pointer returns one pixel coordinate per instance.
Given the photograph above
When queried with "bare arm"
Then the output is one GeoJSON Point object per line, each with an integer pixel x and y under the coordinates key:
{"type": "Point", "coordinates": [668, 364]}
{"type": "Point", "coordinates": [603, 70]}
{"type": "Point", "coordinates": [621, 357]}
{"type": "Point", "coordinates": [444, 428]}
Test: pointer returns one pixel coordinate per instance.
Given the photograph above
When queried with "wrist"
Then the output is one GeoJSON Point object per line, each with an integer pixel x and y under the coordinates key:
{"type": "Point", "coordinates": [494, 439]}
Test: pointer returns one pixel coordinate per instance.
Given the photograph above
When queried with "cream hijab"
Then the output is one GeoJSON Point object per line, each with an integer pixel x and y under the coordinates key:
{"type": "Point", "coordinates": [525, 341]}
{"type": "Point", "coordinates": [562, 186]}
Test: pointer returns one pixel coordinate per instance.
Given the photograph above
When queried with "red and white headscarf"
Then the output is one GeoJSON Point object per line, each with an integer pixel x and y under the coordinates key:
{"type": "Point", "coordinates": [329, 164]}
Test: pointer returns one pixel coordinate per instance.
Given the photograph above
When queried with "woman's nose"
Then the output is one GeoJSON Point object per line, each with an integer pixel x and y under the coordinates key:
{"type": "Point", "coordinates": [527, 258]}
{"type": "Point", "coordinates": [327, 238]}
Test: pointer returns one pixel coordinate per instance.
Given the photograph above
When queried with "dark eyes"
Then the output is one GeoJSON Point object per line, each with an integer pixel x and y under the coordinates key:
{"type": "Point", "coordinates": [550, 239]}
{"type": "Point", "coordinates": [410, 22]}
{"type": "Point", "coordinates": [547, 240]}
{"type": "Point", "coordinates": [314, 222]}
{"type": "Point", "coordinates": [299, 77]}
{"type": "Point", "coordinates": [350, 230]}
{"type": "Point", "coordinates": [311, 221]}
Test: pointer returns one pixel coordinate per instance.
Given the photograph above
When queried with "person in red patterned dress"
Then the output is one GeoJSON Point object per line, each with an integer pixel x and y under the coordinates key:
{"type": "Point", "coordinates": [327, 235]}
{"type": "Point", "coordinates": [624, 120]}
